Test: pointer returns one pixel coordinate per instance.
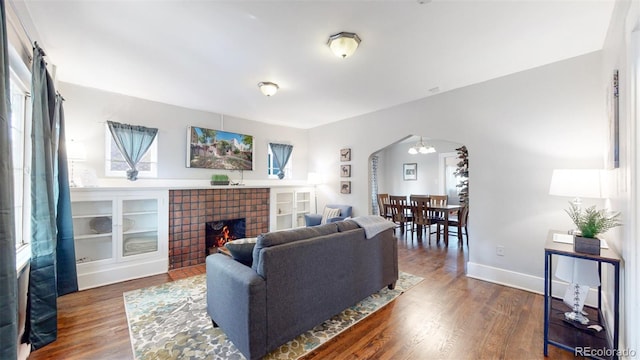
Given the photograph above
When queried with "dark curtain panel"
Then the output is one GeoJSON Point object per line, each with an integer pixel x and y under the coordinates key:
{"type": "Point", "coordinates": [42, 299]}
{"type": "Point", "coordinates": [281, 155]}
{"type": "Point", "coordinates": [65, 247]}
{"type": "Point", "coordinates": [133, 142]}
{"type": "Point", "coordinates": [8, 275]}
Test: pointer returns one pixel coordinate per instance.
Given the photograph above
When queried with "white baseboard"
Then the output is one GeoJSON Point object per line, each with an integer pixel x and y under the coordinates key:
{"type": "Point", "coordinates": [522, 281]}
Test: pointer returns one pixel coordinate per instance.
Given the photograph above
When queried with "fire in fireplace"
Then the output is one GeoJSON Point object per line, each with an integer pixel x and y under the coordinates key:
{"type": "Point", "coordinates": [220, 232]}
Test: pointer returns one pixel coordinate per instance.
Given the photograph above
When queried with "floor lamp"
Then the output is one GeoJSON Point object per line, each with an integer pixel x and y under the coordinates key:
{"type": "Point", "coordinates": [315, 179]}
{"type": "Point", "coordinates": [581, 274]}
{"type": "Point", "coordinates": [75, 152]}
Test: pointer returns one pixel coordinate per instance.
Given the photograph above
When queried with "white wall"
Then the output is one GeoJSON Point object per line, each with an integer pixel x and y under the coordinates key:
{"type": "Point", "coordinates": [517, 128]}
{"type": "Point", "coordinates": [87, 110]}
{"type": "Point", "coordinates": [622, 51]}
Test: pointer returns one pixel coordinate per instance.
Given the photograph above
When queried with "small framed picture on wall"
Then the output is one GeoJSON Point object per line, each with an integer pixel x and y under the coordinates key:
{"type": "Point", "coordinates": [345, 187]}
{"type": "Point", "coordinates": [345, 154]}
{"type": "Point", "coordinates": [410, 171]}
{"type": "Point", "coordinates": [345, 170]}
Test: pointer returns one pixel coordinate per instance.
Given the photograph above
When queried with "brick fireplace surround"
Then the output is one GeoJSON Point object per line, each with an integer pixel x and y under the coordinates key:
{"type": "Point", "coordinates": [189, 210]}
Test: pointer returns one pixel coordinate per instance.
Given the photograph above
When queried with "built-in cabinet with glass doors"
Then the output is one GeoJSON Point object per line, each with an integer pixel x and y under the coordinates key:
{"type": "Point", "coordinates": [289, 205]}
{"type": "Point", "coordinates": [119, 234]}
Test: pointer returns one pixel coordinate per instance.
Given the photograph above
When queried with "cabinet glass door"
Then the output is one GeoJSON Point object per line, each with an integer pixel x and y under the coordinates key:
{"type": "Point", "coordinates": [284, 205]}
{"type": "Point", "coordinates": [303, 206]}
{"type": "Point", "coordinates": [93, 230]}
{"type": "Point", "coordinates": [139, 226]}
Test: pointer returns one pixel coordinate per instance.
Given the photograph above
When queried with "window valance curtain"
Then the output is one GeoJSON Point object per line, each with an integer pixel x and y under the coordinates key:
{"type": "Point", "coordinates": [133, 142]}
{"type": "Point", "coordinates": [281, 155]}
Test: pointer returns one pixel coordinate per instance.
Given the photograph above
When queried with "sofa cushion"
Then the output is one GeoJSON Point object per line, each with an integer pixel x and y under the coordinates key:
{"type": "Point", "coordinates": [285, 236]}
{"type": "Point", "coordinates": [242, 250]}
{"type": "Point", "coordinates": [346, 225]}
{"type": "Point", "coordinates": [329, 213]}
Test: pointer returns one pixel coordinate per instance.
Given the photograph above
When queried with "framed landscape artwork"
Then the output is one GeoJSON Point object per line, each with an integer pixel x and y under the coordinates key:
{"type": "Point", "coordinates": [217, 149]}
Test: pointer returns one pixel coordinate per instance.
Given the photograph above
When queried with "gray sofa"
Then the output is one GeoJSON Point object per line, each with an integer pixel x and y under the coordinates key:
{"type": "Point", "coordinates": [298, 279]}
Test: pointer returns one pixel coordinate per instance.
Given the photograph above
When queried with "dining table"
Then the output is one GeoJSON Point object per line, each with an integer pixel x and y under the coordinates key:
{"type": "Point", "coordinates": [447, 210]}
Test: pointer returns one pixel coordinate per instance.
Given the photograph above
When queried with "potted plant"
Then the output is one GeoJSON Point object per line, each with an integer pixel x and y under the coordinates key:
{"type": "Point", "coordinates": [591, 222]}
{"type": "Point", "coordinates": [219, 179]}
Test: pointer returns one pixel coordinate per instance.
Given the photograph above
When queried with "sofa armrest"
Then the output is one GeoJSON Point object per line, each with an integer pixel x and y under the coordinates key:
{"type": "Point", "coordinates": [312, 219]}
{"type": "Point", "coordinates": [237, 302]}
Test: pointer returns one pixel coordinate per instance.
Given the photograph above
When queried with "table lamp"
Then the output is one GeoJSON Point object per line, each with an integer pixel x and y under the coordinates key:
{"type": "Point", "coordinates": [579, 273]}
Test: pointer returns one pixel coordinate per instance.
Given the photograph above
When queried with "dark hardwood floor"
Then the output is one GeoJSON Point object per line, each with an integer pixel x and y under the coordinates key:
{"type": "Point", "coordinates": [446, 316]}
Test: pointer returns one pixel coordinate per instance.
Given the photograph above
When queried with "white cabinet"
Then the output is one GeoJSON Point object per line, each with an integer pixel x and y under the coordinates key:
{"type": "Point", "coordinates": [289, 205]}
{"type": "Point", "coordinates": [119, 234]}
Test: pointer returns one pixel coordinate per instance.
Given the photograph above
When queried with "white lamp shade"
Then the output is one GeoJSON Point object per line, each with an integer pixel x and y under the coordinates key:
{"type": "Point", "coordinates": [578, 271]}
{"type": "Point", "coordinates": [314, 178]}
{"type": "Point", "coordinates": [580, 183]}
{"type": "Point", "coordinates": [76, 151]}
{"type": "Point", "coordinates": [344, 44]}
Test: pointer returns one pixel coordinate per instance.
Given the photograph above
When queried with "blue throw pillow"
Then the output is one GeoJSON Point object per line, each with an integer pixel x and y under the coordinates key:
{"type": "Point", "coordinates": [242, 250]}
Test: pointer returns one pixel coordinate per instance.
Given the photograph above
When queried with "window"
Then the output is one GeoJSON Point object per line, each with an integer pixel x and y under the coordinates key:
{"type": "Point", "coordinates": [273, 170]}
{"type": "Point", "coordinates": [115, 165]}
{"type": "Point", "coordinates": [21, 153]}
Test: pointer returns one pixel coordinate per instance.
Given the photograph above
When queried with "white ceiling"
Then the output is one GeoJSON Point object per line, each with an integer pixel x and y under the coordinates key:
{"type": "Point", "coordinates": [210, 55]}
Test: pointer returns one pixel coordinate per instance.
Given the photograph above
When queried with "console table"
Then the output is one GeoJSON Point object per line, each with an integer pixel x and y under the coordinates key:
{"type": "Point", "coordinates": [565, 336]}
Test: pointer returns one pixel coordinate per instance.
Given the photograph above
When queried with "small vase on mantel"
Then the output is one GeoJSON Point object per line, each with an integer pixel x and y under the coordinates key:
{"type": "Point", "coordinates": [586, 245]}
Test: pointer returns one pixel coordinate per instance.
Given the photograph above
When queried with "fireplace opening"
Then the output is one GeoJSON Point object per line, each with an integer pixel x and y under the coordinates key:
{"type": "Point", "coordinates": [220, 232]}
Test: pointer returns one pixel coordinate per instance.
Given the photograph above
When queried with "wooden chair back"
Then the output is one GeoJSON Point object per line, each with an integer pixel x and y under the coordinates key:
{"type": "Point", "coordinates": [399, 208]}
{"type": "Point", "coordinates": [383, 206]}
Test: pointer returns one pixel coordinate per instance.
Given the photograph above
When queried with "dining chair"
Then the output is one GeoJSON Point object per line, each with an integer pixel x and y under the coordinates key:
{"type": "Point", "coordinates": [460, 223]}
{"type": "Point", "coordinates": [400, 212]}
{"type": "Point", "coordinates": [384, 206]}
{"type": "Point", "coordinates": [439, 200]}
{"type": "Point", "coordinates": [423, 215]}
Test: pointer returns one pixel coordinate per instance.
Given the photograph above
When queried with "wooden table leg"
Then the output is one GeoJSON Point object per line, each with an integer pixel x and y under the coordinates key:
{"type": "Point", "coordinates": [446, 228]}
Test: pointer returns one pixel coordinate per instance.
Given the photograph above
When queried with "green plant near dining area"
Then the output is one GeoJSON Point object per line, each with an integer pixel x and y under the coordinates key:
{"type": "Point", "coordinates": [591, 221]}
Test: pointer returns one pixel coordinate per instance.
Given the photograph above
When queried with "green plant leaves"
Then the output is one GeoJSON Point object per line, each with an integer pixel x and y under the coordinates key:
{"type": "Point", "coordinates": [592, 222]}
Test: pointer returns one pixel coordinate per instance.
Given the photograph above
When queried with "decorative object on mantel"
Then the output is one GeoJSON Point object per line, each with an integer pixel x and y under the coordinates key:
{"type": "Point", "coordinates": [219, 179]}
{"type": "Point", "coordinates": [591, 222]}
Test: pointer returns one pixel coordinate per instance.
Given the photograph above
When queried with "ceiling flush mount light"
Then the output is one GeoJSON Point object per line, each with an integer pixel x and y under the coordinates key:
{"type": "Point", "coordinates": [268, 88]}
{"type": "Point", "coordinates": [421, 148]}
{"type": "Point", "coordinates": [344, 44]}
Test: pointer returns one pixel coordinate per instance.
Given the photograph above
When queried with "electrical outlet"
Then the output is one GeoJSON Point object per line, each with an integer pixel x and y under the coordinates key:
{"type": "Point", "coordinates": [500, 250]}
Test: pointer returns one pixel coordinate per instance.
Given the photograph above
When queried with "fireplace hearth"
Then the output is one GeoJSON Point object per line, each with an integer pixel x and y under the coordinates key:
{"type": "Point", "coordinates": [220, 232]}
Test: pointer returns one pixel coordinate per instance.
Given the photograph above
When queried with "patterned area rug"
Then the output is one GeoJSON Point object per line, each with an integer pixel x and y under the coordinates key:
{"type": "Point", "coordinates": [170, 321]}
